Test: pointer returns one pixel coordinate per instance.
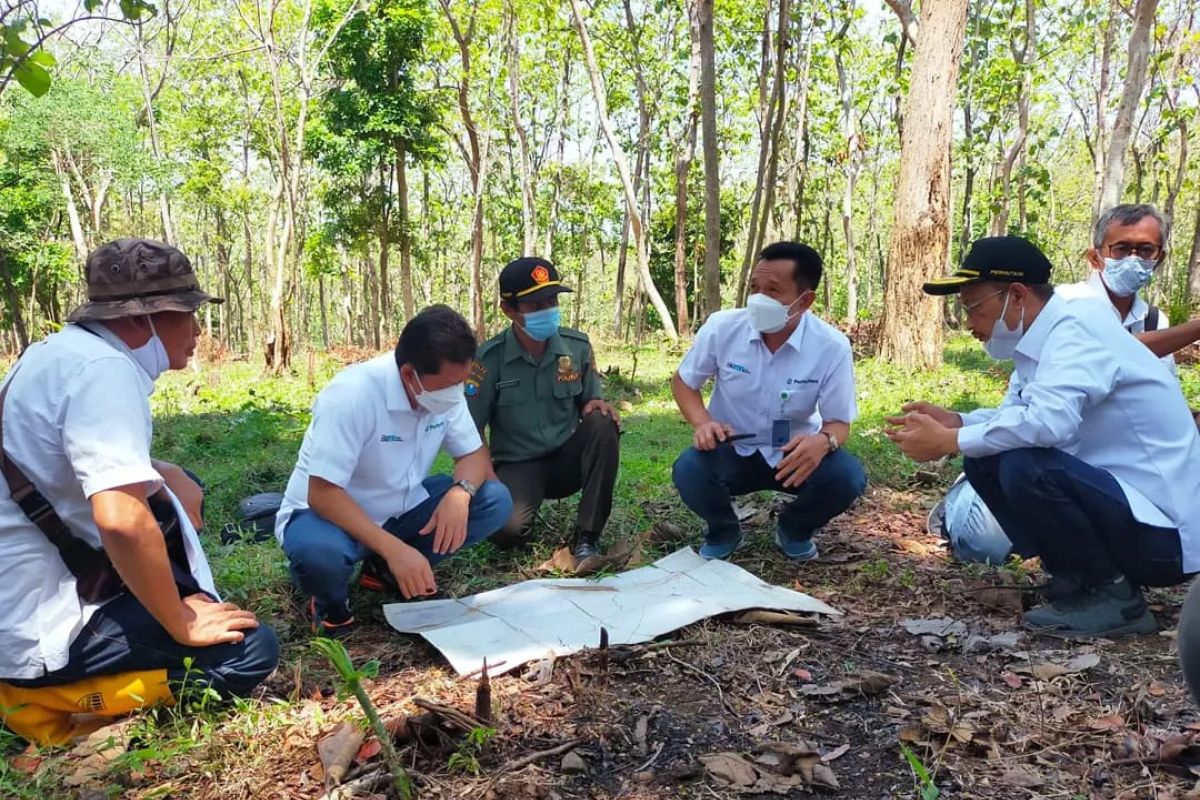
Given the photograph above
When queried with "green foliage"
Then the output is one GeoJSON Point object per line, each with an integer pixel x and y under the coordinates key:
{"type": "Point", "coordinates": [466, 757]}
{"type": "Point", "coordinates": [926, 788]}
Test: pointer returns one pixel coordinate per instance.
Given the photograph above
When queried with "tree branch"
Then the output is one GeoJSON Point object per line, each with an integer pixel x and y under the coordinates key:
{"type": "Point", "coordinates": [908, 20]}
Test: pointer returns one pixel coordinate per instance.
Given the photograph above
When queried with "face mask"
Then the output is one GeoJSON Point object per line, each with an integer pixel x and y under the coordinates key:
{"type": "Point", "coordinates": [542, 324]}
{"type": "Point", "coordinates": [152, 356]}
{"type": "Point", "coordinates": [439, 401]}
{"type": "Point", "coordinates": [1127, 276]}
{"type": "Point", "coordinates": [1003, 343]}
{"type": "Point", "coordinates": [768, 315]}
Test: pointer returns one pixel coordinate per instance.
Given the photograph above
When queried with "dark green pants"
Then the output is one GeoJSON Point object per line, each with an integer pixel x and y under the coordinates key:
{"type": "Point", "coordinates": [587, 461]}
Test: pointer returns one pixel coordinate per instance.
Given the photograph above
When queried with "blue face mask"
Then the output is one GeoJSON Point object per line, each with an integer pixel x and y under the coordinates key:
{"type": "Point", "coordinates": [1127, 276]}
{"type": "Point", "coordinates": [541, 325]}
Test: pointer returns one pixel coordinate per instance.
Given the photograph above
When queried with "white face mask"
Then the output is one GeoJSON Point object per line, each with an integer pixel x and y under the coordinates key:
{"type": "Point", "coordinates": [152, 356]}
{"type": "Point", "coordinates": [1127, 276]}
{"type": "Point", "coordinates": [439, 401]}
{"type": "Point", "coordinates": [768, 315]}
{"type": "Point", "coordinates": [1003, 343]}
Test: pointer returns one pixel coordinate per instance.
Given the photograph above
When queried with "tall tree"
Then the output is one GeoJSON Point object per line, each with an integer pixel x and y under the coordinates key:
{"type": "Point", "coordinates": [920, 243]}
{"type": "Point", "coordinates": [1131, 95]}
{"type": "Point", "coordinates": [712, 158]}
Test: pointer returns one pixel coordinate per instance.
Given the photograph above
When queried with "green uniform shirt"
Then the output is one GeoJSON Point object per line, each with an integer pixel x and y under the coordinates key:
{"type": "Point", "coordinates": [532, 407]}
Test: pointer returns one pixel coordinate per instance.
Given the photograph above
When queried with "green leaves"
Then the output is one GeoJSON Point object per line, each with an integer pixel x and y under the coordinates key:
{"type": "Point", "coordinates": [33, 77]}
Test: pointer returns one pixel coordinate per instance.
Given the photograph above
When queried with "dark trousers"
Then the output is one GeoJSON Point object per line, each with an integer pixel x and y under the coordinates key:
{"type": "Point", "coordinates": [708, 481]}
{"type": "Point", "coordinates": [587, 461]}
{"type": "Point", "coordinates": [1074, 517]}
{"type": "Point", "coordinates": [122, 637]}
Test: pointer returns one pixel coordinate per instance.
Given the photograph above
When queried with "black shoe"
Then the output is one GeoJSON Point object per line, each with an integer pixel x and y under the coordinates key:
{"type": "Point", "coordinates": [377, 577]}
{"type": "Point", "coordinates": [335, 624]}
{"type": "Point", "coordinates": [587, 544]}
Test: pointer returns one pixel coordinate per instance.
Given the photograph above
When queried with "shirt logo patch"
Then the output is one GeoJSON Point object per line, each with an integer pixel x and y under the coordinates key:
{"type": "Point", "coordinates": [540, 274]}
{"type": "Point", "coordinates": [800, 381]}
{"type": "Point", "coordinates": [471, 388]}
{"type": "Point", "coordinates": [435, 425]}
{"type": "Point", "coordinates": [737, 367]}
{"type": "Point", "coordinates": [566, 370]}
{"type": "Point", "coordinates": [390, 437]}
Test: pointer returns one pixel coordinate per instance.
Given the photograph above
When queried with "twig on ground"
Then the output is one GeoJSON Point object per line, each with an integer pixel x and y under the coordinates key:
{"type": "Point", "coordinates": [710, 678]}
{"type": "Point", "coordinates": [526, 760]}
{"type": "Point", "coordinates": [465, 721]}
{"type": "Point", "coordinates": [366, 783]}
{"type": "Point", "coordinates": [653, 758]}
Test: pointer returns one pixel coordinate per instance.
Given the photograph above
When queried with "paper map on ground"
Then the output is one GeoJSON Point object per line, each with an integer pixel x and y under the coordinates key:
{"type": "Point", "coordinates": [555, 617]}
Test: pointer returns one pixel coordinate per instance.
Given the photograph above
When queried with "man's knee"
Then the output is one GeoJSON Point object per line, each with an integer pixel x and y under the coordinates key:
{"type": "Point", "coordinates": [252, 663]}
{"type": "Point", "coordinates": [1019, 470]}
{"type": "Point", "coordinates": [849, 479]}
{"type": "Point", "coordinates": [601, 428]}
{"type": "Point", "coordinates": [322, 557]}
{"type": "Point", "coordinates": [492, 505]}
{"type": "Point", "coordinates": [688, 470]}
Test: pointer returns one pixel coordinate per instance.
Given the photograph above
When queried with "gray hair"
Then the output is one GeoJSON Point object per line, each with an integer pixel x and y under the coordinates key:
{"type": "Point", "coordinates": [1130, 214]}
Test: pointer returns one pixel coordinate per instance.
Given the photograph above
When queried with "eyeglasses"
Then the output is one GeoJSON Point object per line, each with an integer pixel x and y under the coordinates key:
{"type": "Point", "coordinates": [969, 307]}
{"type": "Point", "coordinates": [1150, 252]}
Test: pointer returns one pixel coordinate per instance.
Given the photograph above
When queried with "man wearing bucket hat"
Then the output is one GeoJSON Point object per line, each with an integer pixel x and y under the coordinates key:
{"type": "Point", "coordinates": [1088, 462]}
{"type": "Point", "coordinates": [107, 602]}
{"type": "Point", "coordinates": [536, 387]}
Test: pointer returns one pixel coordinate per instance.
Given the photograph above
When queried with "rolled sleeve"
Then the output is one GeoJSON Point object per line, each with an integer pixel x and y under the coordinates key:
{"type": "Point", "coordinates": [700, 363]}
{"type": "Point", "coordinates": [341, 425]}
{"type": "Point", "coordinates": [106, 427]}
{"type": "Point", "coordinates": [462, 437]}
{"type": "Point", "coordinates": [836, 402]}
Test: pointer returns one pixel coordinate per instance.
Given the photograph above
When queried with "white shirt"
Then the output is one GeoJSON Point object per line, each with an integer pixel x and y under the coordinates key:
{"type": "Point", "coordinates": [1135, 320]}
{"type": "Point", "coordinates": [77, 422]}
{"type": "Point", "coordinates": [808, 381]}
{"type": "Point", "coordinates": [367, 438]}
{"type": "Point", "coordinates": [1083, 385]}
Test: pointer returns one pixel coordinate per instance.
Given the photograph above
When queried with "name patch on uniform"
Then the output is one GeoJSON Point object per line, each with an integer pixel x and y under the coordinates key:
{"type": "Point", "coordinates": [508, 384]}
{"type": "Point", "coordinates": [737, 367]}
{"type": "Point", "coordinates": [390, 437]}
{"type": "Point", "coordinates": [435, 425]}
{"type": "Point", "coordinates": [566, 370]}
{"type": "Point", "coordinates": [800, 381]}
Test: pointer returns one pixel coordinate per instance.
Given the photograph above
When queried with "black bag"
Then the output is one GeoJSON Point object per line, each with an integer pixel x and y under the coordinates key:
{"type": "Point", "coordinates": [255, 519]}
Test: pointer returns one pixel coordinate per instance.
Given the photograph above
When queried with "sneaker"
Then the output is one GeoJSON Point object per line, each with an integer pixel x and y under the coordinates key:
{"type": "Point", "coordinates": [1112, 609]}
{"type": "Point", "coordinates": [376, 576]}
{"type": "Point", "coordinates": [797, 549]}
{"type": "Point", "coordinates": [335, 624]}
{"type": "Point", "coordinates": [720, 547]}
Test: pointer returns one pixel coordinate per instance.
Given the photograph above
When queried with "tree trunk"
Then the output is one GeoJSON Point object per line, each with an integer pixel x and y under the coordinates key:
{"type": "Point", "coordinates": [1131, 96]}
{"type": "Point", "coordinates": [920, 241]}
{"type": "Point", "coordinates": [77, 237]}
{"type": "Point", "coordinates": [14, 302]}
{"type": "Point", "coordinates": [618, 155]}
{"type": "Point", "coordinates": [1098, 148]}
{"type": "Point", "coordinates": [528, 201]}
{"type": "Point", "coordinates": [560, 123]}
{"type": "Point", "coordinates": [683, 164]}
{"type": "Point", "coordinates": [406, 292]}
{"type": "Point", "coordinates": [851, 164]}
{"type": "Point", "coordinates": [712, 159]}
{"type": "Point", "coordinates": [1024, 57]}
{"type": "Point", "coordinates": [1193, 263]}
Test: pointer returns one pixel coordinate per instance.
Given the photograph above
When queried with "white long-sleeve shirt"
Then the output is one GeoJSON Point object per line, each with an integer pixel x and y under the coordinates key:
{"type": "Point", "coordinates": [1083, 385]}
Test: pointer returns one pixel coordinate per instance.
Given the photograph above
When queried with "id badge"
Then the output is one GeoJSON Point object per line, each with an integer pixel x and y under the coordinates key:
{"type": "Point", "coordinates": [781, 432]}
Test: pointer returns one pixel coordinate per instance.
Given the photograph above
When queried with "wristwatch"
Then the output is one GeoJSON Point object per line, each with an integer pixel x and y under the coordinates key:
{"type": "Point", "coordinates": [466, 486]}
{"type": "Point", "coordinates": [833, 442]}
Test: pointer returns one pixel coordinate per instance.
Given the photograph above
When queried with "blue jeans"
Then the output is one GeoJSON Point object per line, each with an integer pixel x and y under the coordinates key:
{"type": "Point", "coordinates": [122, 637]}
{"type": "Point", "coordinates": [323, 557]}
{"type": "Point", "coordinates": [1074, 517]}
{"type": "Point", "coordinates": [708, 481]}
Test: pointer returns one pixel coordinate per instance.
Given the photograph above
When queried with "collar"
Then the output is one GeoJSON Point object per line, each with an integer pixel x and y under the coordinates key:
{"type": "Point", "coordinates": [793, 341]}
{"type": "Point", "coordinates": [1034, 340]}
{"type": "Point", "coordinates": [513, 349]}
{"type": "Point", "coordinates": [394, 395]}
{"type": "Point", "coordinates": [1137, 312]}
{"type": "Point", "coordinates": [99, 329]}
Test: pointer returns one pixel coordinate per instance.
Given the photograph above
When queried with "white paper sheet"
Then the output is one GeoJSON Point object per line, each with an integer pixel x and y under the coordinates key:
{"type": "Point", "coordinates": [555, 617]}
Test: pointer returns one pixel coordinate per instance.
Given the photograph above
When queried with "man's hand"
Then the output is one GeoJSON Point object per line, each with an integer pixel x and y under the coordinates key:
{"type": "Point", "coordinates": [449, 520]}
{"type": "Point", "coordinates": [598, 405]}
{"type": "Point", "coordinates": [946, 418]}
{"type": "Point", "coordinates": [804, 455]}
{"type": "Point", "coordinates": [190, 495]}
{"type": "Point", "coordinates": [709, 434]}
{"type": "Point", "coordinates": [921, 437]}
{"type": "Point", "coordinates": [206, 622]}
{"type": "Point", "coordinates": [411, 571]}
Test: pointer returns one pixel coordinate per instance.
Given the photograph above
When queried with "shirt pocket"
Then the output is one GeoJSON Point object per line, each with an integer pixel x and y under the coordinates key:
{"type": "Point", "coordinates": [565, 389]}
{"type": "Point", "coordinates": [512, 395]}
{"type": "Point", "coordinates": [802, 399]}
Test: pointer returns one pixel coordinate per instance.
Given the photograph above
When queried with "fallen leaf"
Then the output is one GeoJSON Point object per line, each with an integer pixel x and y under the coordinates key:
{"type": "Point", "coordinates": [1022, 777]}
{"type": "Point", "coordinates": [1048, 671]}
{"type": "Point", "coordinates": [774, 618]}
{"type": "Point", "coordinates": [666, 533]}
{"type": "Point", "coordinates": [730, 769]}
{"type": "Point", "coordinates": [561, 561]}
{"type": "Point", "coordinates": [999, 598]}
{"type": "Point", "coordinates": [836, 753]}
{"type": "Point", "coordinates": [940, 626]}
{"type": "Point", "coordinates": [370, 748]}
{"type": "Point", "coordinates": [98, 751]}
{"type": "Point", "coordinates": [999, 641]}
{"type": "Point", "coordinates": [802, 674]}
{"type": "Point", "coordinates": [870, 683]}
{"type": "Point", "coordinates": [1108, 723]}
{"type": "Point", "coordinates": [1012, 680]}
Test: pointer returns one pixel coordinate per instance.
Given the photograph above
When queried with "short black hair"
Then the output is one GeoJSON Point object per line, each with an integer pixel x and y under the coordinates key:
{"type": "Point", "coordinates": [807, 261]}
{"type": "Point", "coordinates": [434, 336]}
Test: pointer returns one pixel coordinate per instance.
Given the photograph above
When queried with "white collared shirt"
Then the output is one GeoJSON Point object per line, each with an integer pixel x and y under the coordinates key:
{"type": "Point", "coordinates": [1135, 320]}
{"type": "Point", "coordinates": [808, 381]}
{"type": "Point", "coordinates": [366, 437]}
{"type": "Point", "coordinates": [77, 422]}
{"type": "Point", "coordinates": [1083, 385]}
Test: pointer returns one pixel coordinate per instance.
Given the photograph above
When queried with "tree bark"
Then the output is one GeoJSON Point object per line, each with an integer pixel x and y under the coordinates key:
{"type": "Point", "coordinates": [618, 155]}
{"type": "Point", "coordinates": [406, 289]}
{"type": "Point", "coordinates": [1131, 96]}
{"type": "Point", "coordinates": [851, 166]}
{"type": "Point", "coordinates": [683, 164]}
{"type": "Point", "coordinates": [1193, 263]}
{"type": "Point", "coordinates": [1024, 57]}
{"type": "Point", "coordinates": [13, 301]}
{"type": "Point", "coordinates": [528, 201]}
{"type": "Point", "coordinates": [560, 123]}
{"type": "Point", "coordinates": [712, 159]}
{"type": "Point", "coordinates": [920, 243]}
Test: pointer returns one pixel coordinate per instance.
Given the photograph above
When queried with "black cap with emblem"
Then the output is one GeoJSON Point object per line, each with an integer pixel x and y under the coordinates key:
{"type": "Point", "coordinates": [1008, 259]}
{"type": "Point", "coordinates": [529, 280]}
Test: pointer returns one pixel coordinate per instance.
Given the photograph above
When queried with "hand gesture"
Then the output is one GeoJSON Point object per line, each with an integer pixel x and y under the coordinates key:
{"type": "Point", "coordinates": [921, 437]}
{"type": "Point", "coordinates": [948, 419]}
{"type": "Point", "coordinates": [597, 405]}
{"type": "Point", "coordinates": [449, 520]}
{"type": "Point", "coordinates": [709, 434]}
{"type": "Point", "coordinates": [803, 455]}
{"type": "Point", "coordinates": [207, 622]}
{"type": "Point", "coordinates": [411, 571]}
